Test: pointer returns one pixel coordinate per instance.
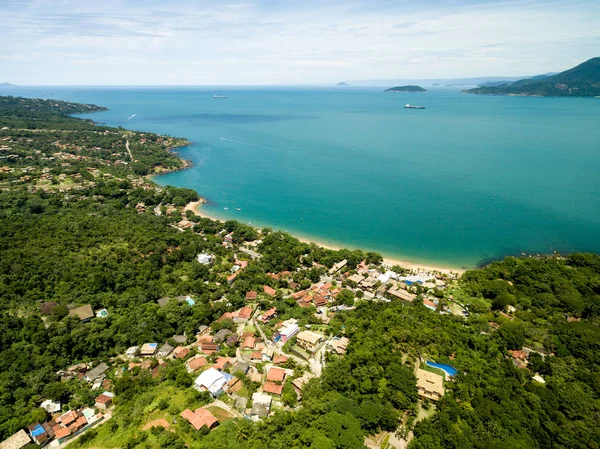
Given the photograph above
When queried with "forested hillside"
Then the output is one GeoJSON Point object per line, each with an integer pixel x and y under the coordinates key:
{"type": "Point", "coordinates": [76, 228]}
{"type": "Point", "coordinates": [580, 81]}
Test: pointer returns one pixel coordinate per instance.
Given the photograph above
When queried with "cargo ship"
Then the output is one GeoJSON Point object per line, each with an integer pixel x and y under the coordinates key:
{"type": "Point", "coordinates": [410, 106]}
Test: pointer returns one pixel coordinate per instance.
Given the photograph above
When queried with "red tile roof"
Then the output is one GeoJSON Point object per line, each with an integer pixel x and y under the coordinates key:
{"type": "Point", "coordinates": [197, 363]}
{"type": "Point", "coordinates": [280, 359]}
{"type": "Point", "coordinates": [256, 355]}
{"type": "Point", "coordinates": [249, 342]}
{"type": "Point", "coordinates": [270, 387]}
{"type": "Point", "coordinates": [245, 313]}
{"type": "Point", "coordinates": [181, 352]}
{"type": "Point", "coordinates": [276, 375]}
{"type": "Point", "coordinates": [62, 432]}
{"type": "Point", "coordinates": [269, 290]}
{"type": "Point", "coordinates": [103, 399]}
{"type": "Point", "coordinates": [251, 296]}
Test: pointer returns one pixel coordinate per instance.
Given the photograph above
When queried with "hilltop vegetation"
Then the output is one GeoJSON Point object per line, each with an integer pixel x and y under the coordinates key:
{"type": "Point", "coordinates": [580, 81]}
{"type": "Point", "coordinates": [406, 89]}
{"type": "Point", "coordinates": [94, 231]}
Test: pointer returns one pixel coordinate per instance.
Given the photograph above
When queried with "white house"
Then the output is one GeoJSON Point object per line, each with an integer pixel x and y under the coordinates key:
{"type": "Point", "coordinates": [211, 380]}
{"type": "Point", "coordinates": [205, 259]}
{"type": "Point", "coordinates": [288, 332]}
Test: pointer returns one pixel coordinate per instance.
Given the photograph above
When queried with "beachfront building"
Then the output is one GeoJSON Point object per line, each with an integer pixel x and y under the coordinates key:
{"type": "Point", "coordinates": [430, 385]}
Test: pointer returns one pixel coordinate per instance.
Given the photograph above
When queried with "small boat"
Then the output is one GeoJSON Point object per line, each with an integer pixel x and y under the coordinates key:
{"type": "Point", "coordinates": [237, 208]}
{"type": "Point", "coordinates": [225, 208]}
{"type": "Point", "coordinates": [410, 106]}
{"type": "Point", "coordinates": [219, 96]}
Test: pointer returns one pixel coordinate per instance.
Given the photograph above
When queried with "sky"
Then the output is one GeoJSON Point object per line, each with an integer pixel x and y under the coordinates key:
{"type": "Point", "coordinates": [287, 42]}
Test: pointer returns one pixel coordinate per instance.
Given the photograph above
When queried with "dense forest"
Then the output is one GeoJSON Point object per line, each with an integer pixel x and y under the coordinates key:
{"type": "Point", "coordinates": [580, 81]}
{"type": "Point", "coordinates": [88, 240]}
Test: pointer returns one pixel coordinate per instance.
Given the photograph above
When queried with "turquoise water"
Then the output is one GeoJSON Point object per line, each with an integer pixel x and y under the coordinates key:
{"type": "Point", "coordinates": [450, 370]}
{"type": "Point", "coordinates": [468, 179]}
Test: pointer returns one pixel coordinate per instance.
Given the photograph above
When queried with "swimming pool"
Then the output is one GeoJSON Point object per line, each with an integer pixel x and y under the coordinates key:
{"type": "Point", "coordinates": [451, 371]}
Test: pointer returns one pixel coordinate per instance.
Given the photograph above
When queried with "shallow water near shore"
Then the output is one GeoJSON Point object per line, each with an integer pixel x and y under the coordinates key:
{"type": "Point", "coordinates": [470, 178]}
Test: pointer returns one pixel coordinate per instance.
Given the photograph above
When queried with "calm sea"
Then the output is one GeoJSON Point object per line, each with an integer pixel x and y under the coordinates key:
{"type": "Point", "coordinates": [468, 179]}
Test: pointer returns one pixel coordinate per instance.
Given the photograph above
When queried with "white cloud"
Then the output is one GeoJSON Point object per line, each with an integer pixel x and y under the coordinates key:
{"type": "Point", "coordinates": [295, 42]}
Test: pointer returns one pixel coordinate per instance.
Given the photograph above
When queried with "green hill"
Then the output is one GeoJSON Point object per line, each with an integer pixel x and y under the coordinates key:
{"type": "Point", "coordinates": [580, 81]}
{"type": "Point", "coordinates": [406, 89]}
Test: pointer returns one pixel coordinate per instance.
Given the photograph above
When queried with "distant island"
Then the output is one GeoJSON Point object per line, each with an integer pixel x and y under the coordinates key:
{"type": "Point", "coordinates": [342, 83]}
{"type": "Point", "coordinates": [580, 81]}
{"type": "Point", "coordinates": [406, 89]}
{"type": "Point", "coordinates": [7, 85]}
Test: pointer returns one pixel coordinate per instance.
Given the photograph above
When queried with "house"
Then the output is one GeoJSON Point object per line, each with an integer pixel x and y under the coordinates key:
{"type": "Point", "coordinates": [104, 401]}
{"type": "Point", "coordinates": [200, 418]}
{"type": "Point", "coordinates": [280, 359]}
{"type": "Point", "coordinates": [430, 385]}
{"type": "Point", "coordinates": [205, 259]}
{"type": "Point", "coordinates": [299, 382]}
{"type": "Point", "coordinates": [222, 363]}
{"type": "Point", "coordinates": [401, 294]}
{"type": "Point", "coordinates": [50, 406]}
{"type": "Point", "coordinates": [212, 381]}
{"type": "Point", "coordinates": [430, 304]}
{"type": "Point", "coordinates": [267, 354]}
{"type": "Point", "coordinates": [319, 300]}
{"type": "Point", "coordinates": [340, 345]}
{"type": "Point", "coordinates": [196, 364]}
{"type": "Point", "coordinates": [179, 339]}
{"type": "Point", "coordinates": [232, 340]}
{"type": "Point", "coordinates": [261, 405]}
{"type": "Point", "coordinates": [243, 315]}
{"type": "Point", "coordinates": [338, 266]}
{"type": "Point", "coordinates": [309, 340]}
{"type": "Point", "coordinates": [368, 283]}
{"type": "Point", "coordinates": [148, 349]}
{"type": "Point", "coordinates": [287, 332]}
{"type": "Point", "coordinates": [276, 375]}
{"type": "Point", "coordinates": [67, 418]}
{"type": "Point", "coordinates": [209, 348]}
{"type": "Point", "coordinates": [251, 296]}
{"type": "Point", "coordinates": [165, 350]}
{"type": "Point", "coordinates": [84, 313]}
{"type": "Point", "coordinates": [221, 335]}
{"type": "Point", "coordinates": [16, 441]}
{"type": "Point", "coordinates": [38, 433]}
{"type": "Point", "coordinates": [132, 352]}
{"type": "Point", "coordinates": [267, 315]}
{"type": "Point", "coordinates": [181, 352]}
{"type": "Point", "coordinates": [273, 388]}
{"type": "Point", "coordinates": [232, 277]}
{"type": "Point", "coordinates": [269, 290]}
{"type": "Point", "coordinates": [96, 372]}
{"type": "Point", "coordinates": [240, 367]}
{"type": "Point", "coordinates": [47, 308]}
{"type": "Point", "coordinates": [249, 342]}
{"type": "Point", "coordinates": [61, 434]}
{"type": "Point", "coordinates": [256, 356]}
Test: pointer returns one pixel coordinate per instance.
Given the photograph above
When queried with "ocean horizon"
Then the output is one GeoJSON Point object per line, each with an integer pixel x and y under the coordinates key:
{"type": "Point", "coordinates": [467, 180]}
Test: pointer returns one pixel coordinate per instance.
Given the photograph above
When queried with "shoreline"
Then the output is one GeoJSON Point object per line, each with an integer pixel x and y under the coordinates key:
{"type": "Point", "coordinates": [196, 207]}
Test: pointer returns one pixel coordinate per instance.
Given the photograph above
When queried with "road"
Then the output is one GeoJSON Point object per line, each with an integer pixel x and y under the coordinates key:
{"type": "Point", "coordinates": [128, 150]}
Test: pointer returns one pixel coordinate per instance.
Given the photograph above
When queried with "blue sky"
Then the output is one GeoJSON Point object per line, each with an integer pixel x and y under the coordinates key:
{"type": "Point", "coordinates": [206, 42]}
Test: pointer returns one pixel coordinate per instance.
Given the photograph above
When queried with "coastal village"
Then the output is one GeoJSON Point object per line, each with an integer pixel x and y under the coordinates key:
{"type": "Point", "coordinates": [274, 332]}
{"type": "Point", "coordinates": [251, 361]}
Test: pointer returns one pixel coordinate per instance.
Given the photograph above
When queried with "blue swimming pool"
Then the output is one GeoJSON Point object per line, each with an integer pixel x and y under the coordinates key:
{"type": "Point", "coordinates": [451, 371]}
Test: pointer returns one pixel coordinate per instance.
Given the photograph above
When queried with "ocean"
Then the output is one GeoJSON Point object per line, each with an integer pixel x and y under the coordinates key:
{"type": "Point", "coordinates": [467, 180]}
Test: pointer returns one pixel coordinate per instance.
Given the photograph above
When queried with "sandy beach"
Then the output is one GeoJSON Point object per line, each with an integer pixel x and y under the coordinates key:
{"type": "Point", "coordinates": [197, 208]}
